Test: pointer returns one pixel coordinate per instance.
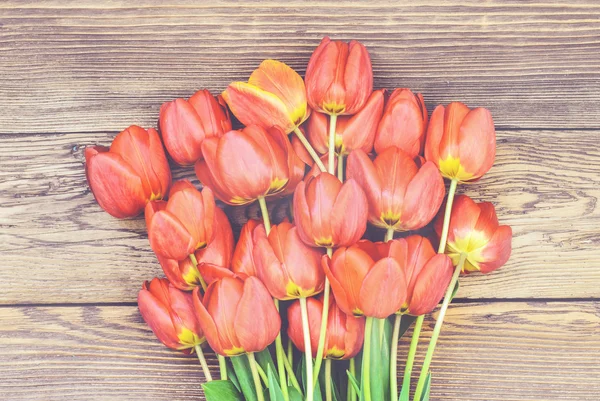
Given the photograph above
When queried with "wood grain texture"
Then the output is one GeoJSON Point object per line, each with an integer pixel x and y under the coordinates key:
{"type": "Point", "coordinates": [496, 351]}
{"type": "Point", "coordinates": [58, 246]}
{"type": "Point", "coordinates": [72, 66]}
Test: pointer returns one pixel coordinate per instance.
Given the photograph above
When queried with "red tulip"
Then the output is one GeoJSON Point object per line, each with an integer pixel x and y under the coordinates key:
{"type": "Point", "coordinates": [461, 142]}
{"type": "Point", "coordinates": [183, 274]}
{"type": "Point", "coordinates": [287, 266]}
{"type": "Point", "coordinates": [243, 255]}
{"type": "Point", "coordinates": [182, 225]}
{"type": "Point", "coordinates": [134, 171]}
{"type": "Point", "coordinates": [244, 165]}
{"type": "Point", "coordinates": [474, 230]}
{"type": "Point", "coordinates": [344, 336]}
{"type": "Point", "coordinates": [273, 96]}
{"type": "Point", "coordinates": [184, 124]}
{"type": "Point", "coordinates": [428, 274]}
{"type": "Point", "coordinates": [339, 77]}
{"type": "Point", "coordinates": [403, 124]}
{"type": "Point", "coordinates": [170, 314]}
{"type": "Point", "coordinates": [237, 316]}
{"type": "Point", "coordinates": [364, 274]}
{"type": "Point", "coordinates": [401, 195]}
{"type": "Point", "coordinates": [329, 213]}
{"type": "Point", "coordinates": [351, 132]}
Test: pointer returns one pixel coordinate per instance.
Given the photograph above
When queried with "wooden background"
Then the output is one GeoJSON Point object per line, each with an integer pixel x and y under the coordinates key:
{"type": "Point", "coordinates": [74, 73]}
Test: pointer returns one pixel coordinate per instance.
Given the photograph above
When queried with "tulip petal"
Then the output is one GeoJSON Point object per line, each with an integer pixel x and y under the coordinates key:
{"type": "Point", "coordinates": [158, 318]}
{"type": "Point", "coordinates": [209, 328]}
{"type": "Point", "coordinates": [195, 210]}
{"type": "Point", "coordinates": [268, 266]}
{"type": "Point", "coordinates": [453, 118]}
{"type": "Point", "coordinates": [207, 171]}
{"type": "Point", "coordinates": [211, 273]}
{"type": "Point", "coordinates": [358, 77]}
{"type": "Point", "coordinates": [243, 255]}
{"type": "Point", "coordinates": [497, 251]}
{"type": "Point", "coordinates": [173, 270]}
{"type": "Point", "coordinates": [302, 263]}
{"type": "Point", "coordinates": [302, 214]}
{"type": "Point", "coordinates": [214, 117]}
{"type": "Point", "coordinates": [222, 305]}
{"type": "Point", "coordinates": [361, 169]}
{"type": "Point", "coordinates": [169, 238]}
{"type": "Point", "coordinates": [219, 251]}
{"type": "Point", "coordinates": [182, 131]}
{"type": "Point", "coordinates": [286, 84]}
{"type": "Point", "coordinates": [430, 285]}
{"type": "Point", "coordinates": [349, 268]}
{"type": "Point", "coordinates": [115, 185]}
{"type": "Point", "coordinates": [423, 198]}
{"type": "Point", "coordinates": [477, 142]}
{"type": "Point", "coordinates": [257, 322]}
{"type": "Point", "coordinates": [349, 220]}
{"type": "Point", "coordinates": [435, 132]}
{"type": "Point", "coordinates": [254, 106]}
{"type": "Point", "coordinates": [359, 130]}
{"type": "Point", "coordinates": [384, 279]}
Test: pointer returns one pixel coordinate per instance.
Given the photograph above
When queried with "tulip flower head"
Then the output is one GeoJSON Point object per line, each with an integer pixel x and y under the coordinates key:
{"type": "Point", "coordinates": [184, 274]}
{"type": "Point", "coordinates": [351, 132]}
{"type": "Point", "coordinates": [403, 124]}
{"type": "Point", "coordinates": [461, 142]}
{"type": "Point", "coordinates": [344, 336]}
{"type": "Point", "coordinates": [273, 96]}
{"type": "Point", "coordinates": [170, 314]}
{"type": "Point", "coordinates": [288, 267]}
{"type": "Point", "coordinates": [428, 274]}
{"type": "Point", "coordinates": [237, 316]}
{"type": "Point", "coordinates": [184, 124]}
{"type": "Point", "coordinates": [131, 173]}
{"type": "Point", "coordinates": [182, 225]}
{"type": "Point", "coordinates": [329, 213]}
{"type": "Point", "coordinates": [401, 195]}
{"type": "Point", "coordinates": [475, 231]}
{"type": "Point", "coordinates": [243, 165]}
{"type": "Point", "coordinates": [339, 77]}
{"type": "Point", "coordinates": [366, 273]}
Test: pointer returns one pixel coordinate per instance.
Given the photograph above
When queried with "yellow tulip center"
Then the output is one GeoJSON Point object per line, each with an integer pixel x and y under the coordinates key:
{"type": "Point", "coordinates": [472, 245]}
{"type": "Point", "coordinates": [189, 339]}
{"type": "Point", "coordinates": [452, 169]}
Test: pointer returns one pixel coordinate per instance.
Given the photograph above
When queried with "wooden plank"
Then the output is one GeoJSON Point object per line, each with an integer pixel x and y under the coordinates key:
{"type": "Point", "coordinates": [54, 239]}
{"type": "Point", "coordinates": [58, 246]}
{"type": "Point", "coordinates": [497, 351]}
{"type": "Point", "coordinates": [72, 66]}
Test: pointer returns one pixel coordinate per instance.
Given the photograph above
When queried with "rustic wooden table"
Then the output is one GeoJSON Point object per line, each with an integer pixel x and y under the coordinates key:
{"type": "Point", "coordinates": [74, 73]}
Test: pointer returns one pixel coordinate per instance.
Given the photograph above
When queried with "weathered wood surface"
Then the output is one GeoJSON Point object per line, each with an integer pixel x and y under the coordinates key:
{"type": "Point", "coordinates": [58, 242]}
{"type": "Point", "coordinates": [72, 66]}
{"type": "Point", "coordinates": [492, 351]}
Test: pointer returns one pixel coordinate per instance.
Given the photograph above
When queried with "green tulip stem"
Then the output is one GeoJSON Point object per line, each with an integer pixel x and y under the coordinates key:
{"type": "Point", "coordinates": [222, 366]}
{"type": "Point", "coordinates": [307, 350]}
{"type": "Point", "coordinates": [438, 326]}
{"type": "Point", "coordinates": [340, 167]}
{"type": "Point", "coordinates": [291, 374]}
{"type": "Point", "coordinates": [351, 396]}
{"type": "Point", "coordinates": [203, 363]}
{"type": "Point", "coordinates": [328, 393]}
{"type": "Point", "coordinates": [265, 213]}
{"type": "Point", "coordinates": [447, 213]}
{"type": "Point", "coordinates": [323, 332]}
{"type": "Point", "coordinates": [394, 358]}
{"type": "Point", "coordinates": [332, 124]}
{"type": "Point", "coordinates": [412, 351]}
{"type": "Point", "coordinates": [309, 149]}
{"type": "Point", "coordinates": [389, 235]}
{"type": "Point", "coordinates": [366, 360]}
{"type": "Point", "coordinates": [195, 262]}
{"type": "Point", "coordinates": [256, 377]}
{"type": "Point", "coordinates": [263, 375]}
{"type": "Point", "coordinates": [290, 352]}
{"type": "Point", "coordinates": [280, 354]}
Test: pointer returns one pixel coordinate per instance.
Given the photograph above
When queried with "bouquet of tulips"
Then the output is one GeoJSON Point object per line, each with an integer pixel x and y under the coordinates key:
{"type": "Point", "coordinates": [312, 308]}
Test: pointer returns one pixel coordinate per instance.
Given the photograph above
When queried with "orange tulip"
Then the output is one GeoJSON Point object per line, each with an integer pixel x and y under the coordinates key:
{"type": "Point", "coordinates": [243, 255]}
{"type": "Point", "coordinates": [344, 336]}
{"type": "Point", "coordinates": [461, 142]}
{"type": "Point", "coordinates": [329, 213]}
{"type": "Point", "coordinates": [428, 274]}
{"type": "Point", "coordinates": [170, 314]}
{"type": "Point", "coordinates": [273, 96]}
{"type": "Point", "coordinates": [183, 274]}
{"type": "Point", "coordinates": [366, 273]}
{"type": "Point", "coordinates": [403, 124]}
{"type": "Point", "coordinates": [237, 316]}
{"type": "Point", "coordinates": [287, 266]}
{"type": "Point", "coordinates": [184, 124]}
{"type": "Point", "coordinates": [244, 165]}
{"type": "Point", "coordinates": [474, 230]}
{"type": "Point", "coordinates": [134, 171]}
{"type": "Point", "coordinates": [182, 225]}
{"type": "Point", "coordinates": [339, 77]}
{"type": "Point", "coordinates": [401, 195]}
{"type": "Point", "coordinates": [351, 132]}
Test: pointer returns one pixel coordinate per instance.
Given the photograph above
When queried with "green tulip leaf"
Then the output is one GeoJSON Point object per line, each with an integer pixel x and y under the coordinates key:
{"type": "Point", "coordinates": [221, 390]}
{"type": "Point", "coordinates": [426, 388]}
{"type": "Point", "coordinates": [353, 382]}
{"type": "Point", "coordinates": [455, 291]}
{"type": "Point", "coordinates": [241, 367]}
{"type": "Point", "coordinates": [295, 394]}
{"type": "Point", "coordinates": [275, 393]}
{"type": "Point", "coordinates": [265, 360]}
